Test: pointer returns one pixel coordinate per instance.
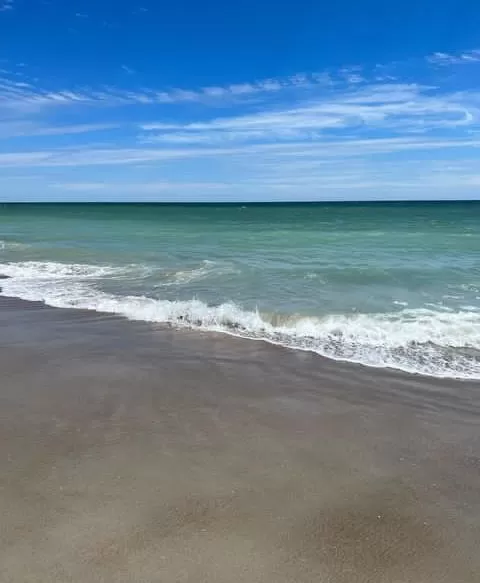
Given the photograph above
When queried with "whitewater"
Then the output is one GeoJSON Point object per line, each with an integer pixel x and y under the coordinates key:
{"type": "Point", "coordinates": [426, 341]}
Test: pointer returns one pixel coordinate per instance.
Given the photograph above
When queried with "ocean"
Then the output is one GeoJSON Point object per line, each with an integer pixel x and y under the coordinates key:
{"type": "Point", "coordinates": [390, 285]}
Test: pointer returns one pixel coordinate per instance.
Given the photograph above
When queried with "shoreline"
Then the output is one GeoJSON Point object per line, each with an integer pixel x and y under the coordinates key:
{"type": "Point", "coordinates": [136, 452]}
{"type": "Point", "coordinates": [235, 332]}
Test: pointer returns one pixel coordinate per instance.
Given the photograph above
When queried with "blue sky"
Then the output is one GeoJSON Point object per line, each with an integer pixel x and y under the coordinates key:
{"type": "Point", "coordinates": [293, 100]}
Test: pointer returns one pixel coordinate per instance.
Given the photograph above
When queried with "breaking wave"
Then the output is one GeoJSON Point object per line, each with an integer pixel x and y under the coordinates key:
{"type": "Point", "coordinates": [424, 341]}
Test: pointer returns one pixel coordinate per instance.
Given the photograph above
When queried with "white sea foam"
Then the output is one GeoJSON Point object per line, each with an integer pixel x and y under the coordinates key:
{"type": "Point", "coordinates": [426, 341]}
{"type": "Point", "coordinates": [51, 271]}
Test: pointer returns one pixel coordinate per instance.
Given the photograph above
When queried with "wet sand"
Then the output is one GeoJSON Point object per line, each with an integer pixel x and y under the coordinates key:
{"type": "Point", "coordinates": [134, 453]}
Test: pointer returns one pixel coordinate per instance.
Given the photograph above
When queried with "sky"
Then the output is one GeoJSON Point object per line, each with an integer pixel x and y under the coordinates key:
{"type": "Point", "coordinates": [104, 100]}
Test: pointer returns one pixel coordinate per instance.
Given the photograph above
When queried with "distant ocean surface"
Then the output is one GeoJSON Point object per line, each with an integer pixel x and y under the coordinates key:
{"type": "Point", "coordinates": [386, 285]}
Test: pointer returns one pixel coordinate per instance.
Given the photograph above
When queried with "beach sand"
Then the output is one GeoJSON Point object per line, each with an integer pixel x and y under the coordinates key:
{"type": "Point", "coordinates": [134, 453]}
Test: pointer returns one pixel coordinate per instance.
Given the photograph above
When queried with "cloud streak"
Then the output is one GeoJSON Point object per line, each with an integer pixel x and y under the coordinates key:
{"type": "Point", "coordinates": [12, 94]}
{"type": "Point", "coordinates": [446, 59]}
{"type": "Point", "coordinates": [128, 70]}
{"type": "Point", "coordinates": [396, 107]}
{"type": "Point", "coordinates": [340, 149]}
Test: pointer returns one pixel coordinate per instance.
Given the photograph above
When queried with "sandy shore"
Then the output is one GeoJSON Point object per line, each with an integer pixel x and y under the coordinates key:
{"type": "Point", "coordinates": [131, 453]}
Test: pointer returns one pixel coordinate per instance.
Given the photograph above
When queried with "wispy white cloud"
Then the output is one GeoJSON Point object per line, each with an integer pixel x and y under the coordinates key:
{"type": "Point", "coordinates": [353, 75]}
{"type": "Point", "coordinates": [446, 59]}
{"type": "Point", "coordinates": [388, 106]}
{"type": "Point", "coordinates": [128, 70]}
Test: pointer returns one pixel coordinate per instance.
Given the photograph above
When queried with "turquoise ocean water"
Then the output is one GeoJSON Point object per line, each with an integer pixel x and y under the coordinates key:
{"type": "Point", "coordinates": [386, 285]}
